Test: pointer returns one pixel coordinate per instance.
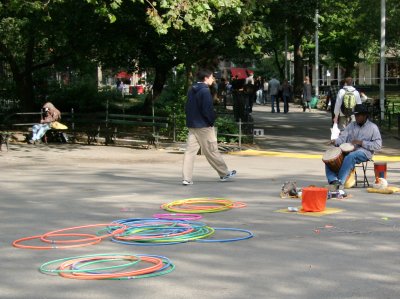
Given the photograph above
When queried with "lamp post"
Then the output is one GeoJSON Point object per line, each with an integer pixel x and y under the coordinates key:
{"type": "Point", "coordinates": [286, 53]}
{"type": "Point", "coordinates": [382, 61]}
{"type": "Point", "coordinates": [316, 55]}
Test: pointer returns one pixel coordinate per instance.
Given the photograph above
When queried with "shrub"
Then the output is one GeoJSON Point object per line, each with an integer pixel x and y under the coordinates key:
{"type": "Point", "coordinates": [226, 125]}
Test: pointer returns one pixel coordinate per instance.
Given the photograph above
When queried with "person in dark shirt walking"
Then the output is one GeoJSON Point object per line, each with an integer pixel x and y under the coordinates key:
{"type": "Point", "coordinates": [200, 118]}
{"type": "Point", "coordinates": [307, 94]}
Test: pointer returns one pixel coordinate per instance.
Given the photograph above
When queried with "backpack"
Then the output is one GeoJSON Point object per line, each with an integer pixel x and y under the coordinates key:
{"type": "Point", "coordinates": [349, 102]}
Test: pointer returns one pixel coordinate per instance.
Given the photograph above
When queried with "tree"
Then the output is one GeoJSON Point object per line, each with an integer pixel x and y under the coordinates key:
{"type": "Point", "coordinates": [346, 30]}
{"type": "Point", "coordinates": [299, 19]}
{"type": "Point", "coordinates": [393, 28]}
{"type": "Point", "coordinates": [187, 45]}
{"type": "Point", "coordinates": [178, 14]}
{"type": "Point", "coordinates": [35, 35]}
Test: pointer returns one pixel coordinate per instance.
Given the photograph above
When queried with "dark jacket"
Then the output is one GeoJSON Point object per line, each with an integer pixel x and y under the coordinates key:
{"type": "Point", "coordinates": [199, 107]}
{"type": "Point", "coordinates": [307, 92]}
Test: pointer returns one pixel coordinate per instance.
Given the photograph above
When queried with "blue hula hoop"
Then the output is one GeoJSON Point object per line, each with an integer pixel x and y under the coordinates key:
{"type": "Point", "coordinates": [248, 236]}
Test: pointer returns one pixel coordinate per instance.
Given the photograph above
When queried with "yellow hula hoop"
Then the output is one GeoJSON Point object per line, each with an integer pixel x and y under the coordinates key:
{"type": "Point", "coordinates": [199, 205]}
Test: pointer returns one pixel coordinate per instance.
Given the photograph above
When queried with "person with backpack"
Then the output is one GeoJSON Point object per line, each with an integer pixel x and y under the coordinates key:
{"type": "Point", "coordinates": [348, 97]}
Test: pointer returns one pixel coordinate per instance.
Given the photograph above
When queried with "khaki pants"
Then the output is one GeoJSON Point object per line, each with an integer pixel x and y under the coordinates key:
{"type": "Point", "coordinates": [344, 121]}
{"type": "Point", "coordinates": [205, 139]}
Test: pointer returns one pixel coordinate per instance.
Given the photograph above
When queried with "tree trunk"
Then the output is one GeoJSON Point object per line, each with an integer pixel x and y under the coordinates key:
{"type": "Point", "coordinates": [158, 85]}
{"type": "Point", "coordinates": [298, 68]}
{"type": "Point", "coordinates": [24, 88]}
{"type": "Point", "coordinates": [279, 66]}
{"type": "Point", "coordinates": [348, 70]}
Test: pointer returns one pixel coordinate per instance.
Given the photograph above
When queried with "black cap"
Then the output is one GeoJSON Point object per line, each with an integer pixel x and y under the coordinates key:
{"type": "Point", "coordinates": [360, 109]}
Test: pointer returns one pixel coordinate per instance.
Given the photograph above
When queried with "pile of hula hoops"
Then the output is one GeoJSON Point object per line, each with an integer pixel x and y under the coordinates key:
{"type": "Point", "coordinates": [116, 266]}
{"type": "Point", "coordinates": [181, 226]}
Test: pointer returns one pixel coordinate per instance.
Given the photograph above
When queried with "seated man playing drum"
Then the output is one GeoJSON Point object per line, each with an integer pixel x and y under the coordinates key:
{"type": "Point", "coordinates": [364, 135]}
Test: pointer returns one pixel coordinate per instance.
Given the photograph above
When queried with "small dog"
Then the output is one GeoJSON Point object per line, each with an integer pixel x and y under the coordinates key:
{"type": "Point", "coordinates": [4, 138]}
{"type": "Point", "coordinates": [289, 189]}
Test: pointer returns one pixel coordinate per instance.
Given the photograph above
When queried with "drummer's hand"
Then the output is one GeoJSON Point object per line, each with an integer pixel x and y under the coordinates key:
{"type": "Point", "coordinates": [335, 119]}
{"type": "Point", "coordinates": [357, 142]}
{"type": "Point", "coordinates": [332, 142]}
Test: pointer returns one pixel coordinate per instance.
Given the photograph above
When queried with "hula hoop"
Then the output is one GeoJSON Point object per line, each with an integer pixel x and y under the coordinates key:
{"type": "Point", "coordinates": [248, 236]}
{"type": "Point", "coordinates": [44, 267]}
{"type": "Point", "coordinates": [167, 267]}
{"type": "Point", "coordinates": [81, 263]}
{"type": "Point", "coordinates": [178, 216]}
{"type": "Point", "coordinates": [45, 236]}
{"type": "Point", "coordinates": [93, 239]}
{"type": "Point", "coordinates": [189, 205]}
{"type": "Point", "coordinates": [139, 237]}
{"type": "Point", "coordinates": [17, 244]}
{"type": "Point", "coordinates": [76, 264]}
{"type": "Point", "coordinates": [157, 265]}
{"type": "Point", "coordinates": [239, 205]}
{"type": "Point", "coordinates": [154, 231]}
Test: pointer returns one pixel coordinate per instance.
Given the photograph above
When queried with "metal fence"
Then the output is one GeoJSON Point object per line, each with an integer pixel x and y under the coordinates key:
{"type": "Point", "coordinates": [8, 104]}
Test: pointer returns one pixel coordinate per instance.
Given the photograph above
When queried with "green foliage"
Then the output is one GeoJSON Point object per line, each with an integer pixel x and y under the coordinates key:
{"type": "Point", "coordinates": [179, 14]}
{"type": "Point", "coordinates": [226, 125]}
{"type": "Point", "coordinates": [58, 35]}
{"type": "Point", "coordinates": [166, 15]}
{"type": "Point", "coordinates": [82, 97]}
{"type": "Point", "coordinates": [172, 102]}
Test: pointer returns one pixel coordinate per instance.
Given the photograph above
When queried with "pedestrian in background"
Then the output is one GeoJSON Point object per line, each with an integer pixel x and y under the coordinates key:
{"type": "Point", "coordinates": [287, 94]}
{"type": "Point", "coordinates": [307, 94]}
{"type": "Point", "coordinates": [332, 94]}
{"type": "Point", "coordinates": [265, 91]}
{"type": "Point", "coordinates": [346, 113]}
{"type": "Point", "coordinates": [273, 90]}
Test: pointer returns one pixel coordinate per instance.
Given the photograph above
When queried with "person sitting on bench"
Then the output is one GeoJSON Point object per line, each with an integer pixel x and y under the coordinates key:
{"type": "Point", "coordinates": [49, 114]}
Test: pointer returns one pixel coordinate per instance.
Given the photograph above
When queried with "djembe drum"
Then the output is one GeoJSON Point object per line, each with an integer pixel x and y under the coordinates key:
{"type": "Point", "coordinates": [333, 158]}
{"type": "Point", "coordinates": [346, 148]}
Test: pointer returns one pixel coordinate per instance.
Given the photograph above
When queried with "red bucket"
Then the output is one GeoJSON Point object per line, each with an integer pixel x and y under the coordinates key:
{"type": "Point", "coordinates": [380, 169]}
{"type": "Point", "coordinates": [313, 199]}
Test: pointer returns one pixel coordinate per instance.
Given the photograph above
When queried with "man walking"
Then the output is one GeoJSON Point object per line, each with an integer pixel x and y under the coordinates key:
{"type": "Point", "coordinates": [200, 118]}
{"type": "Point", "coordinates": [346, 100]}
{"type": "Point", "coordinates": [273, 88]}
{"type": "Point", "coordinates": [332, 95]}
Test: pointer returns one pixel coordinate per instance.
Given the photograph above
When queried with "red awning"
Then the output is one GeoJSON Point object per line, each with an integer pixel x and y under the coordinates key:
{"type": "Point", "coordinates": [242, 73]}
{"type": "Point", "coordinates": [123, 75]}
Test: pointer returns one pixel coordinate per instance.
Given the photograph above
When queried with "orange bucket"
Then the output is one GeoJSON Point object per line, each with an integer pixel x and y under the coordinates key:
{"type": "Point", "coordinates": [313, 199]}
{"type": "Point", "coordinates": [380, 169]}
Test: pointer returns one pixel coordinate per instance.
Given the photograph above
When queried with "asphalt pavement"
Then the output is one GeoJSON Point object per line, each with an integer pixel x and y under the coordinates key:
{"type": "Point", "coordinates": [353, 253]}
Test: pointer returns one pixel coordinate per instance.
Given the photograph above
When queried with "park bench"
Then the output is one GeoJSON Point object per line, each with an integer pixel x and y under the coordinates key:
{"type": "Point", "coordinates": [111, 127]}
{"type": "Point", "coordinates": [392, 112]}
{"type": "Point", "coordinates": [245, 130]}
{"type": "Point", "coordinates": [92, 125]}
{"type": "Point", "coordinates": [23, 121]}
{"type": "Point", "coordinates": [121, 126]}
